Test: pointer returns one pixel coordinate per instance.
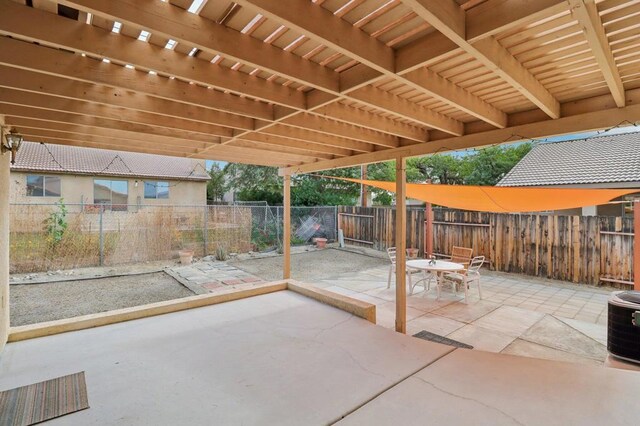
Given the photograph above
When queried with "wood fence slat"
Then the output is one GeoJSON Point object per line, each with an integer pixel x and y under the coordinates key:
{"type": "Point", "coordinates": [580, 249]}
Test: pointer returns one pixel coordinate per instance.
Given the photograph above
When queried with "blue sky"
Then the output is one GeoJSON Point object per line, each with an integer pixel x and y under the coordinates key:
{"type": "Point", "coordinates": [209, 163]}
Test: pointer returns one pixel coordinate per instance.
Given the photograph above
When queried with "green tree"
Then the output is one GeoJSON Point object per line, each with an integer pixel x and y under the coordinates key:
{"type": "Point", "coordinates": [254, 183]}
{"type": "Point", "coordinates": [483, 167]}
{"type": "Point", "coordinates": [489, 165]}
{"type": "Point", "coordinates": [445, 169]}
{"type": "Point", "coordinates": [217, 186]}
{"type": "Point", "coordinates": [314, 190]}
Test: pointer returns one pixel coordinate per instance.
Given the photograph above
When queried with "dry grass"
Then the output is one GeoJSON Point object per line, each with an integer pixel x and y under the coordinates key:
{"type": "Point", "coordinates": [152, 233]}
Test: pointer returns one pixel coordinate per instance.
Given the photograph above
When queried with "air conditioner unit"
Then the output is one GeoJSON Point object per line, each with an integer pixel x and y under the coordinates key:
{"type": "Point", "coordinates": [623, 334]}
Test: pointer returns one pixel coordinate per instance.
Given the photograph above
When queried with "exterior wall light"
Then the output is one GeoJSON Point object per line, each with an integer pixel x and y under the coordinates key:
{"type": "Point", "coordinates": [11, 142]}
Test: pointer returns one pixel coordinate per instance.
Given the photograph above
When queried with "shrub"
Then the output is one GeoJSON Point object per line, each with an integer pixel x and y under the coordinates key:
{"type": "Point", "coordinates": [56, 223]}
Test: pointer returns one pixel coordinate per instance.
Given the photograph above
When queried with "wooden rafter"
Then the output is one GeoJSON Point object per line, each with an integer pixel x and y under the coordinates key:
{"type": "Point", "coordinates": [295, 84]}
{"type": "Point", "coordinates": [192, 28]}
{"type": "Point", "coordinates": [573, 120]}
{"type": "Point", "coordinates": [586, 13]}
{"type": "Point", "coordinates": [54, 31]}
{"type": "Point", "coordinates": [336, 33]}
{"type": "Point", "coordinates": [448, 18]}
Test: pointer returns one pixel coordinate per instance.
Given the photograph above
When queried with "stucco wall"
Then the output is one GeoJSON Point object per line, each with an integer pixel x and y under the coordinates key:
{"type": "Point", "coordinates": [77, 189]}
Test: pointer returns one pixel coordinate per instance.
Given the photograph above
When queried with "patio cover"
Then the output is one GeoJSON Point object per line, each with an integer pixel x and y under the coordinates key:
{"type": "Point", "coordinates": [501, 199]}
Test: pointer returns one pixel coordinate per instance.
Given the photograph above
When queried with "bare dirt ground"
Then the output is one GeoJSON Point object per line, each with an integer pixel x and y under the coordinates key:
{"type": "Point", "coordinates": [33, 303]}
{"type": "Point", "coordinates": [312, 266]}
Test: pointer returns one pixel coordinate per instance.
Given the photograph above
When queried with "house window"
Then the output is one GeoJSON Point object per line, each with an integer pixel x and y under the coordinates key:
{"type": "Point", "coordinates": [156, 190]}
{"type": "Point", "coordinates": [43, 186]}
{"type": "Point", "coordinates": [112, 193]}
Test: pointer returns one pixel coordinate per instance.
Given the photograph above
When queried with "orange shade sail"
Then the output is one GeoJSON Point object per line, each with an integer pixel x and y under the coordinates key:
{"type": "Point", "coordinates": [502, 199]}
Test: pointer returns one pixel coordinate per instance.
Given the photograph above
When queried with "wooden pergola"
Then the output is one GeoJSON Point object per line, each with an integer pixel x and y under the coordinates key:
{"type": "Point", "coordinates": [307, 85]}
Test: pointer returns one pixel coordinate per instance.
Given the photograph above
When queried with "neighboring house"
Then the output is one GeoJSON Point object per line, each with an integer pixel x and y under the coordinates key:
{"type": "Point", "coordinates": [599, 162]}
{"type": "Point", "coordinates": [88, 176]}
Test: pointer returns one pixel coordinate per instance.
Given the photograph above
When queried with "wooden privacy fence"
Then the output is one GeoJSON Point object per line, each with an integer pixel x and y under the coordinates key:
{"type": "Point", "coordinates": [581, 249]}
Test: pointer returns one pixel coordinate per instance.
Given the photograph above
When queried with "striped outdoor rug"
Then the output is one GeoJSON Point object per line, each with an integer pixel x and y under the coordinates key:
{"type": "Point", "coordinates": [42, 401]}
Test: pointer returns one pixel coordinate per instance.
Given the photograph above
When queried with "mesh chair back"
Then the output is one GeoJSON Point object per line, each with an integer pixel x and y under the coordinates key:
{"type": "Point", "coordinates": [461, 255]}
{"type": "Point", "coordinates": [391, 252]}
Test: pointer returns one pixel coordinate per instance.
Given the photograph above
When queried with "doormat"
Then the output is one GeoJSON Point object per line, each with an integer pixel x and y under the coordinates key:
{"type": "Point", "coordinates": [38, 402]}
{"type": "Point", "coordinates": [432, 337]}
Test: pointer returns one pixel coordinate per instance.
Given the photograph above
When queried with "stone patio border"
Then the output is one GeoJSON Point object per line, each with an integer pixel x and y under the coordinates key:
{"type": "Point", "coordinates": [355, 307]}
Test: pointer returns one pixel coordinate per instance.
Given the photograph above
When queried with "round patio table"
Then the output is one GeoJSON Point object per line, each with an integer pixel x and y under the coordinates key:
{"type": "Point", "coordinates": [438, 269]}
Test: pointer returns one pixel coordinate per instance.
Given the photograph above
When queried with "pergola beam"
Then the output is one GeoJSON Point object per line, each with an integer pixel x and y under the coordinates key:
{"type": "Point", "coordinates": [239, 155]}
{"type": "Point", "coordinates": [35, 123]}
{"type": "Point", "coordinates": [52, 30]}
{"type": "Point", "coordinates": [64, 65]}
{"type": "Point", "coordinates": [56, 86]}
{"type": "Point", "coordinates": [315, 137]}
{"type": "Point", "coordinates": [580, 122]}
{"type": "Point", "coordinates": [244, 52]}
{"type": "Point", "coordinates": [586, 13]}
{"type": "Point", "coordinates": [348, 114]}
{"type": "Point", "coordinates": [30, 105]}
{"type": "Point", "coordinates": [324, 27]}
{"type": "Point", "coordinates": [302, 144]}
{"type": "Point", "coordinates": [336, 128]}
{"type": "Point", "coordinates": [376, 98]}
{"type": "Point", "coordinates": [166, 20]}
{"type": "Point", "coordinates": [59, 32]}
{"type": "Point", "coordinates": [81, 107]}
{"type": "Point", "coordinates": [31, 57]}
{"type": "Point", "coordinates": [482, 21]}
{"type": "Point", "coordinates": [102, 123]}
{"type": "Point", "coordinates": [450, 19]}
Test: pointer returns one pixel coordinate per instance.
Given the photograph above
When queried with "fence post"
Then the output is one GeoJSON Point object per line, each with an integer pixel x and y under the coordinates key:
{"type": "Point", "coordinates": [205, 231]}
{"type": "Point", "coordinates": [278, 224]}
{"type": "Point", "coordinates": [335, 219]}
{"type": "Point", "coordinates": [101, 235]}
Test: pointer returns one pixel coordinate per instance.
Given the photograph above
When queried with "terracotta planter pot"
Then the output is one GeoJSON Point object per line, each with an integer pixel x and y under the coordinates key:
{"type": "Point", "coordinates": [186, 256]}
{"type": "Point", "coordinates": [321, 243]}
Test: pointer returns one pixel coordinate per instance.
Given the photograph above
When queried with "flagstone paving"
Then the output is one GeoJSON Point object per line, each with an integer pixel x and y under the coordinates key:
{"type": "Point", "coordinates": [518, 314]}
{"type": "Point", "coordinates": [209, 276]}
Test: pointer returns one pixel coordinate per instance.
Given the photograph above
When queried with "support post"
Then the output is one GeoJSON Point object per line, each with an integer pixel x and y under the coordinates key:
{"type": "Point", "coordinates": [4, 242]}
{"type": "Point", "coordinates": [636, 245]}
{"type": "Point", "coordinates": [286, 232]}
{"type": "Point", "coordinates": [401, 246]}
{"type": "Point", "coordinates": [364, 195]}
{"type": "Point", "coordinates": [428, 231]}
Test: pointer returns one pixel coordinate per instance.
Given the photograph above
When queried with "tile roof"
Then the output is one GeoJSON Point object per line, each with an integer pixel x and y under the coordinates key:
{"type": "Point", "coordinates": [102, 162]}
{"type": "Point", "coordinates": [604, 159]}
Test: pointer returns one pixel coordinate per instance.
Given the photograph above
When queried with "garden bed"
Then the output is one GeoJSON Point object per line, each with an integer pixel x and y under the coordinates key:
{"type": "Point", "coordinates": [33, 303]}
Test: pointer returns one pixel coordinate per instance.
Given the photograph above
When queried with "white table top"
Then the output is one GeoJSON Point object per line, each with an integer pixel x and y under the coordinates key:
{"type": "Point", "coordinates": [440, 265]}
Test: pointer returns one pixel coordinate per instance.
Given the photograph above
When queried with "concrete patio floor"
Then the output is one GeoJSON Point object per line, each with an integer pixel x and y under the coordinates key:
{"type": "Point", "coordinates": [282, 358]}
{"type": "Point", "coordinates": [518, 315]}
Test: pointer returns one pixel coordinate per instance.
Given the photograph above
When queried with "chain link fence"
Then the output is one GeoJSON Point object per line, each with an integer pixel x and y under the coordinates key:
{"type": "Point", "coordinates": [46, 237]}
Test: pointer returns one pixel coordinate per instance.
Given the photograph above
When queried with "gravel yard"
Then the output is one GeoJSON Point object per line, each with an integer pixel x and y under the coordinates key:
{"type": "Point", "coordinates": [311, 266]}
{"type": "Point", "coordinates": [32, 303]}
